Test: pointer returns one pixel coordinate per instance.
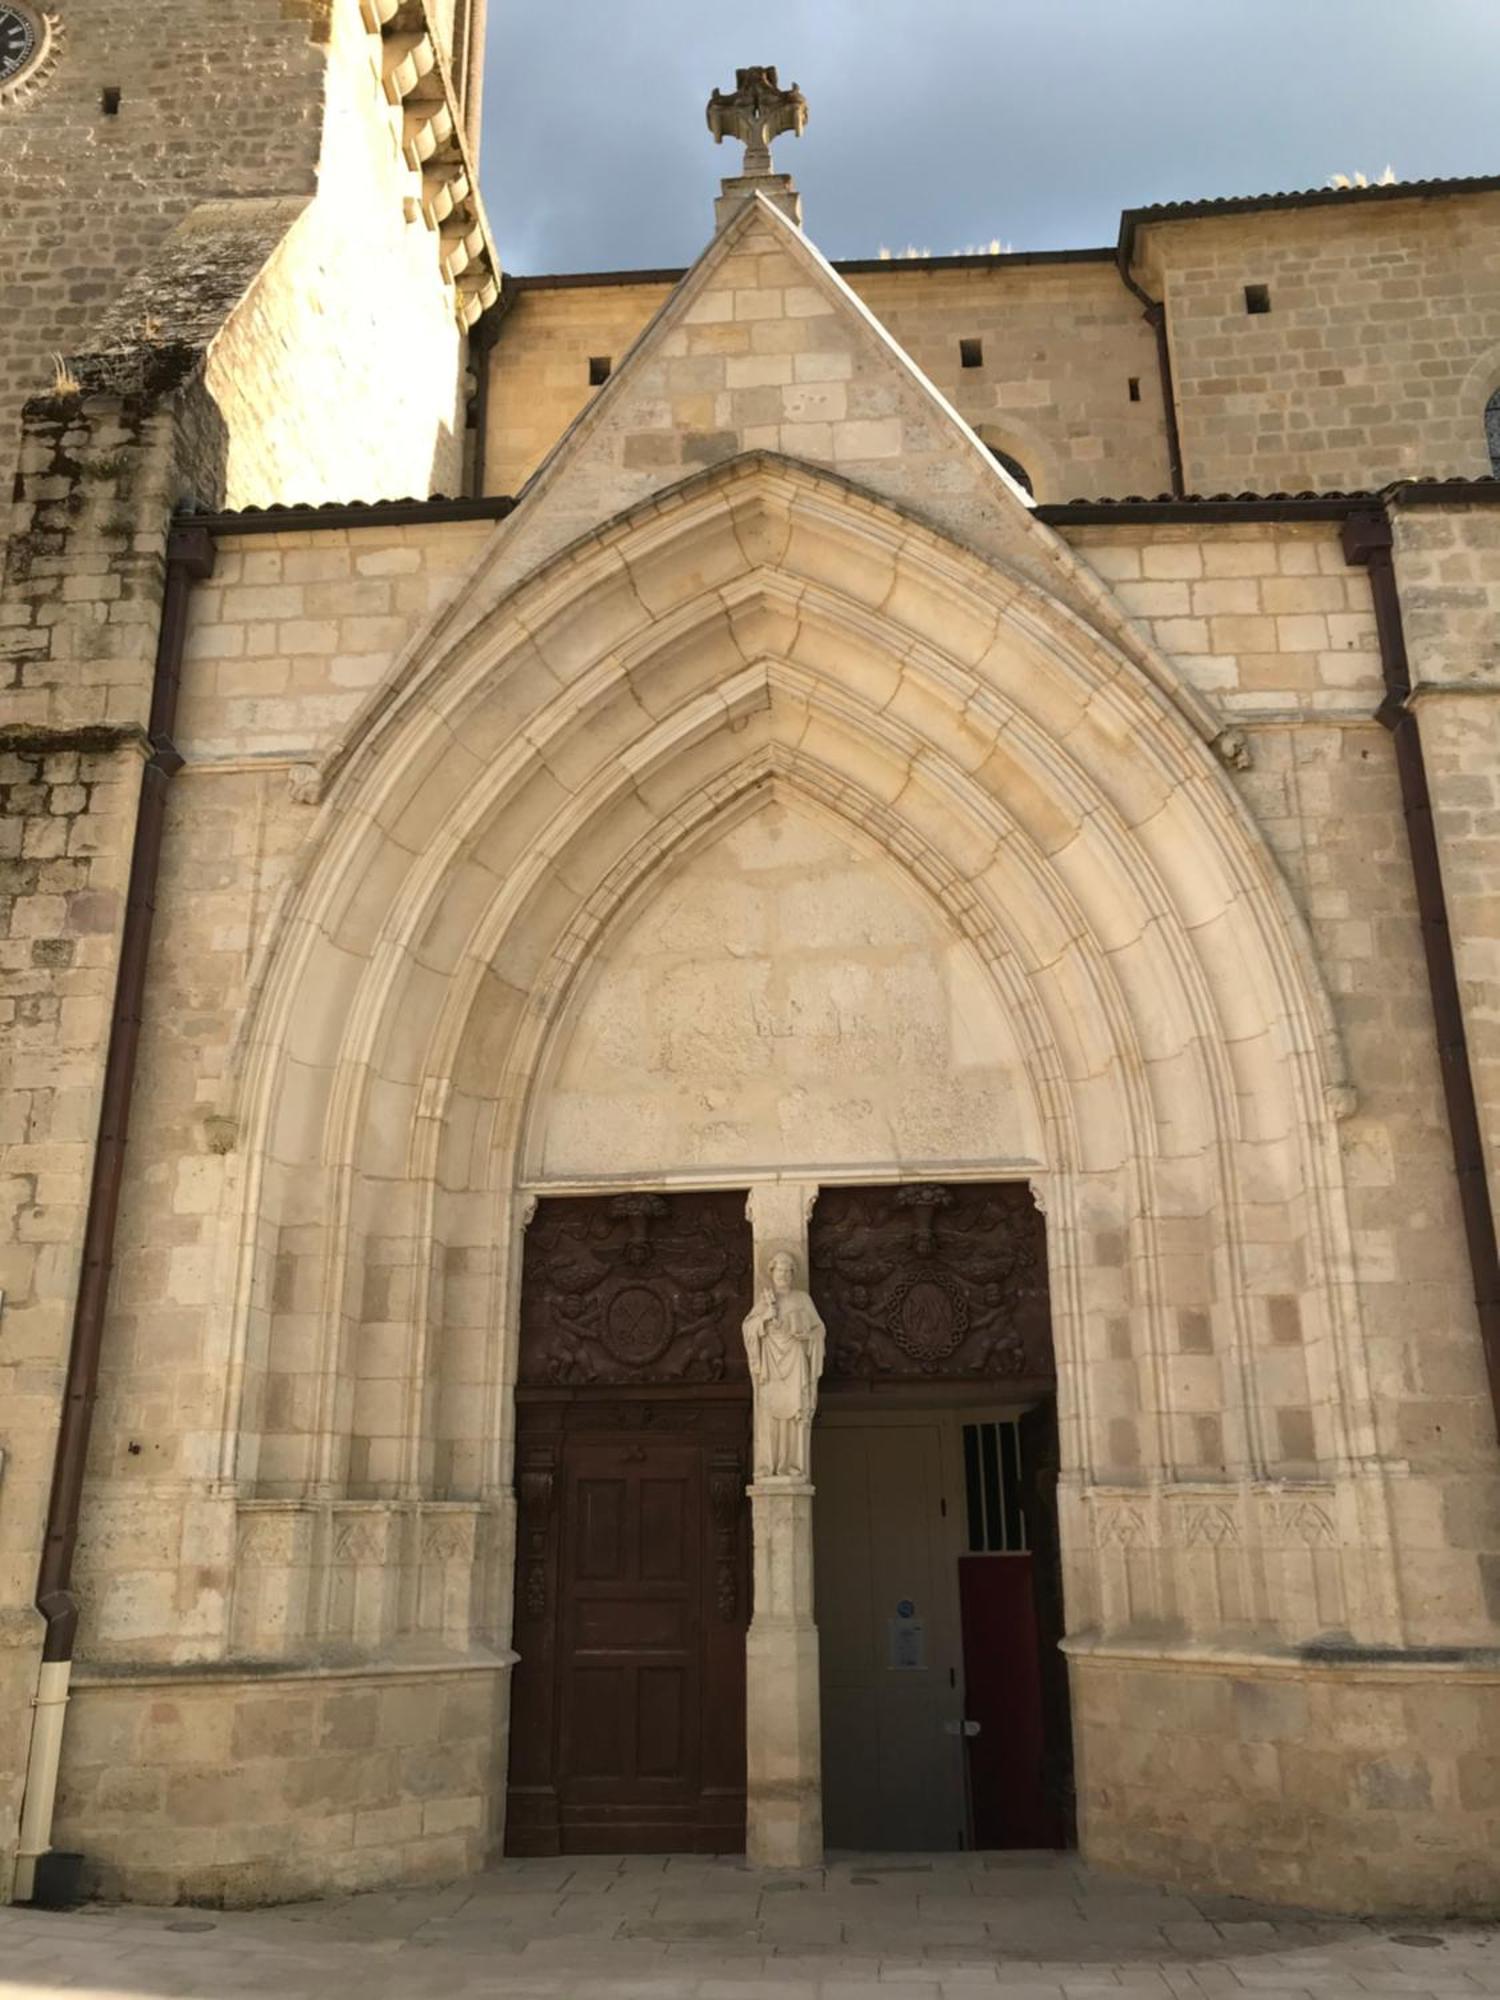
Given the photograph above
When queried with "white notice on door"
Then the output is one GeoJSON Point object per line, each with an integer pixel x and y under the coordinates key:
{"type": "Point", "coordinates": [908, 1642]}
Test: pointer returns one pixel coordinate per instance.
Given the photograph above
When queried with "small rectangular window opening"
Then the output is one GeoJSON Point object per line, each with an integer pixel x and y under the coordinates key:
{"type": "Point", "coordinates": [992, 1488]}
{"type": "Point", "coordinates": [971, 353]}
{"type": "Point", "coordinates": [109, 100]}
{"type": "Point", "coordinates": [1257, 298]}
{"type": "Point", "coordinates": [599, 365]}
{"type": "Point", "coordinates": [1135, 388]}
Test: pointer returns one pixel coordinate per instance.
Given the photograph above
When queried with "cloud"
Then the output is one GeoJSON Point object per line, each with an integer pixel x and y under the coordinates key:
{"type": "Point", "coordinates": [946, 122]}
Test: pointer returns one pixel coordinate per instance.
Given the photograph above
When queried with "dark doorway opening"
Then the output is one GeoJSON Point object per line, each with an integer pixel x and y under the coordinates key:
{"type": "Point", "coordinates": [939, 1600]}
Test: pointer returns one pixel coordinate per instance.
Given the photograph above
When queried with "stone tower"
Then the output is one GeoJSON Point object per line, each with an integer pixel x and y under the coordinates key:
{"type": "Point", "coordinates": [284, 187]}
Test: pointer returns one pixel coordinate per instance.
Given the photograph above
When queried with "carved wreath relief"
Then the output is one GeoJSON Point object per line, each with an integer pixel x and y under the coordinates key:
{"type": "Point", "coordinates": [933, 1280]}
{"type": "Point", "coordinates": [634, 1288]}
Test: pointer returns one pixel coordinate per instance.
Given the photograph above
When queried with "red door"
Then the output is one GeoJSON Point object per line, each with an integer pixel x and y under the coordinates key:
{"type": "Point", "coordinates": [1008, 1799]}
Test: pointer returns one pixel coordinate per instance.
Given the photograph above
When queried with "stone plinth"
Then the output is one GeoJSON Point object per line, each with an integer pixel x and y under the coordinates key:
{"type": "Point", "coordinates": [784, 1763]}
{"type": "Point", "coordinates": [736, 189]}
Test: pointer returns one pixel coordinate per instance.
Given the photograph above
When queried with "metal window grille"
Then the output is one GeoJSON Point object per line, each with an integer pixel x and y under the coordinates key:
{"type": "Point", "coordinates": [992, 1487]}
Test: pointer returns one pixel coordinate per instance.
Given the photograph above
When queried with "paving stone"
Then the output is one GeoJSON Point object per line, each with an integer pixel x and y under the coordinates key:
{"type": "Point", "coordinates": [951, 1927]}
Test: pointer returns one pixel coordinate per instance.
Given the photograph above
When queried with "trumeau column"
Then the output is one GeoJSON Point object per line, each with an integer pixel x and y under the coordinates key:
{"type": "Point", "coordinates": [784, 1342]}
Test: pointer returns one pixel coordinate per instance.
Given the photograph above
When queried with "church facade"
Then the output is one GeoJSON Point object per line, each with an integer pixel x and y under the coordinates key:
{"type": "Point", "coordinates": [777, 1129]}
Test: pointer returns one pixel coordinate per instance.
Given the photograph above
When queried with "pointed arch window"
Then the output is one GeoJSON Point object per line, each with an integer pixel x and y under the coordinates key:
{"type": "Point", "coordinates": [1492, 431]}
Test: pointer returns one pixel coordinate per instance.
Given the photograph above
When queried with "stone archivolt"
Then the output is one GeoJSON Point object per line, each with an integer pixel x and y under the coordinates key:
{"type": "Point", "coordinates": [523, 785]}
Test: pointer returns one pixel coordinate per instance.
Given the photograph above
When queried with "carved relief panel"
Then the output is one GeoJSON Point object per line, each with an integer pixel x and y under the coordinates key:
{"type": "Point", "coordinates": [635, 1289]}
{"type": "Point", "coordinates": [932, 1280]}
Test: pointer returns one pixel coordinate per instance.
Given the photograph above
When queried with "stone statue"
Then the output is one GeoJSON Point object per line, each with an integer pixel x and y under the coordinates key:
{"type": "Point", "coordinates": [754, 112]}
{"type": "Point", "coordinates": [784, 1339]}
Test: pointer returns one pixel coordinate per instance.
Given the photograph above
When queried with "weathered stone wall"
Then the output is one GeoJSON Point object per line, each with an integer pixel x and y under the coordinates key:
{"type": "Point", "coordinates": [433, 774]}
{"type": "Point", "coordinates": [78, 614]}
{"type": "Point", "coordinates": [288, 637]}
{"type": "Point", "coordinates": [331, 384]}
{"type": "Point", "coordinates": [1374, 362]}
{"type": "Point", "coordinates": [1322, 785]}
{"type": "Point", "coordinates": [212, 99]}
{"type": "Point", "coordinates": [1060, 344]}
{"type": "Point", "coordinates": [1252, 1777]}
{"type": "Point", "coordinates": [853, 1025]}
{"type": "Point", "coordinates": [340, 376]}
{"type": "Point", "coordinates": [385, 1774]}
{"type": "Point", "coordinates": [279, 1786]}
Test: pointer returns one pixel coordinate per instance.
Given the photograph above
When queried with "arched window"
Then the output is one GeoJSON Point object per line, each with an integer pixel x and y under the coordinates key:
{"type": "Point", "coordinates": [1492, 431]}
{"type": "Point", "coordinates": [1022, 477]}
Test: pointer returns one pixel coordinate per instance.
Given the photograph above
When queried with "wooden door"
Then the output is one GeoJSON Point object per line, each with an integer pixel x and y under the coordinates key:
{"type": "Point", "coordinates": [888, 1635]}
{"type": "Point", "coordinates": [632, 1550]}
{"type": "Point", "coordinates": [630, 1752]}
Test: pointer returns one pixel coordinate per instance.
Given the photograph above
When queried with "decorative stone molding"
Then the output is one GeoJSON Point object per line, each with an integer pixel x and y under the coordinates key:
{"type": "Point", "coordinates": [1206, 1524]}
{"type": "Point", "coordinates": [318, 1576]}
{"type": "Point", "coordinates": [1299, 1520]}
{"type": "Point", "coordinates": [428, 129]}
{"type": "Point", "coordinates": [1120, 1525]}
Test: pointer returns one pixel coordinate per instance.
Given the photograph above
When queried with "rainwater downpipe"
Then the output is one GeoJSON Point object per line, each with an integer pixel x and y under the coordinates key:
{"type": "Point", "coordinates": [1155, 315]}
{"type": "Point", "coordinates": [1368, 543]}
{"type": "Point", "coordinates": [190, 556]}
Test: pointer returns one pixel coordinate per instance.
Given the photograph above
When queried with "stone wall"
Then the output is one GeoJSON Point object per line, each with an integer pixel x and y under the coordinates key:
{"type": "Point", "coordinates": [1252, 1775]}
{"type": "Point", "coordinates": [1374, 362]}
{"type": "Point", "coordinates": [286, 641]}
{"type": "Point", "coordinates": [211, 98]}
{"type": "Point", "coordinates": [281, 1785]}
{"type": "Point", "coordinates": [78, 612]}
{"type": "Point", "coordinates": [784, 998]}
{"type": "Point", "coordinates": [1321, 783]}
{"type": "Point", "coordinates": [341, 374]}
{"type": "Point", "coordinates": [1060, 343]}
{"type": "Point", "coordinates": [331, 385]}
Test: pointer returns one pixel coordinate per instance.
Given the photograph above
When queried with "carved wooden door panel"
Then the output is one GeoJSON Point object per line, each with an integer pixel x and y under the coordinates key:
{"type": "Point", "coordinates": [935, 1282]}
{"type": "Point", "coordinates": [633, 1420]}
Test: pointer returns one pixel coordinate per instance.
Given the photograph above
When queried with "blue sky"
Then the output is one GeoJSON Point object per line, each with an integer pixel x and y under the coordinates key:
{"type": "Point", "coordinates": [946, 124]}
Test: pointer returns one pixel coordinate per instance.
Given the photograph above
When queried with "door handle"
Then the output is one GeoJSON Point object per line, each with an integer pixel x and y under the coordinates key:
{"type": "Point", "coordinates": [962, 1727]}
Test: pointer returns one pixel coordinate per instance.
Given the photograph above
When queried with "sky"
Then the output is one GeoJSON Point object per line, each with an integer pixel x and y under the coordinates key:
{"type": "Point", "coordinates": [948, 125]}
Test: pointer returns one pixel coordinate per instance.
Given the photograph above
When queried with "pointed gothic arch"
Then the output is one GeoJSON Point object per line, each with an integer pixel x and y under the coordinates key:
{"type": "Point", "coordinates": [531, 774]}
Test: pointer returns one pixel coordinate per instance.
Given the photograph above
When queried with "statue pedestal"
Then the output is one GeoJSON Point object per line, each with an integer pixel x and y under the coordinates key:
{"type": "Point", "coordinates": [737, 189]}
{"type": "Point", "coordinates": [784, 1778]}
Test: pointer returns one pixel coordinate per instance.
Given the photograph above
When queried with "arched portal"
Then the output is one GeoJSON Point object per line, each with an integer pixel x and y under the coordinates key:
{"type": "Point", "coordinates": [449, 997]}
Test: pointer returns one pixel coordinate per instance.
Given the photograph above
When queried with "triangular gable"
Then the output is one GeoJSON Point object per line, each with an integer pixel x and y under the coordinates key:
{"type": "Point", "coordinates": [762, 346]}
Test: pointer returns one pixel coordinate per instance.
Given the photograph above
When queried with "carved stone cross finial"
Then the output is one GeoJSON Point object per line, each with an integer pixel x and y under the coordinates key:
{"type": "Point", "coordinates": [754, 112]}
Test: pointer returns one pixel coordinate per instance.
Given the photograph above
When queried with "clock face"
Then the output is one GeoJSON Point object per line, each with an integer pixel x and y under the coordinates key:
{"type": "Point", "coordinates": [19, 39]}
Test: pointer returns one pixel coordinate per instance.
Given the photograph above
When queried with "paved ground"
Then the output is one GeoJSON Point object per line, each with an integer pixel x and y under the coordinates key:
{"type": "Point", "coordinates": [888, 1927]}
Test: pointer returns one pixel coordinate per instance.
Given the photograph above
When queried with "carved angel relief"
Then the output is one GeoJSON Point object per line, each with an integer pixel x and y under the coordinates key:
{"type": "Point", "coordinates": [635, 1288]}
{"type": "Point", "coordinates": [932, 1280]}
